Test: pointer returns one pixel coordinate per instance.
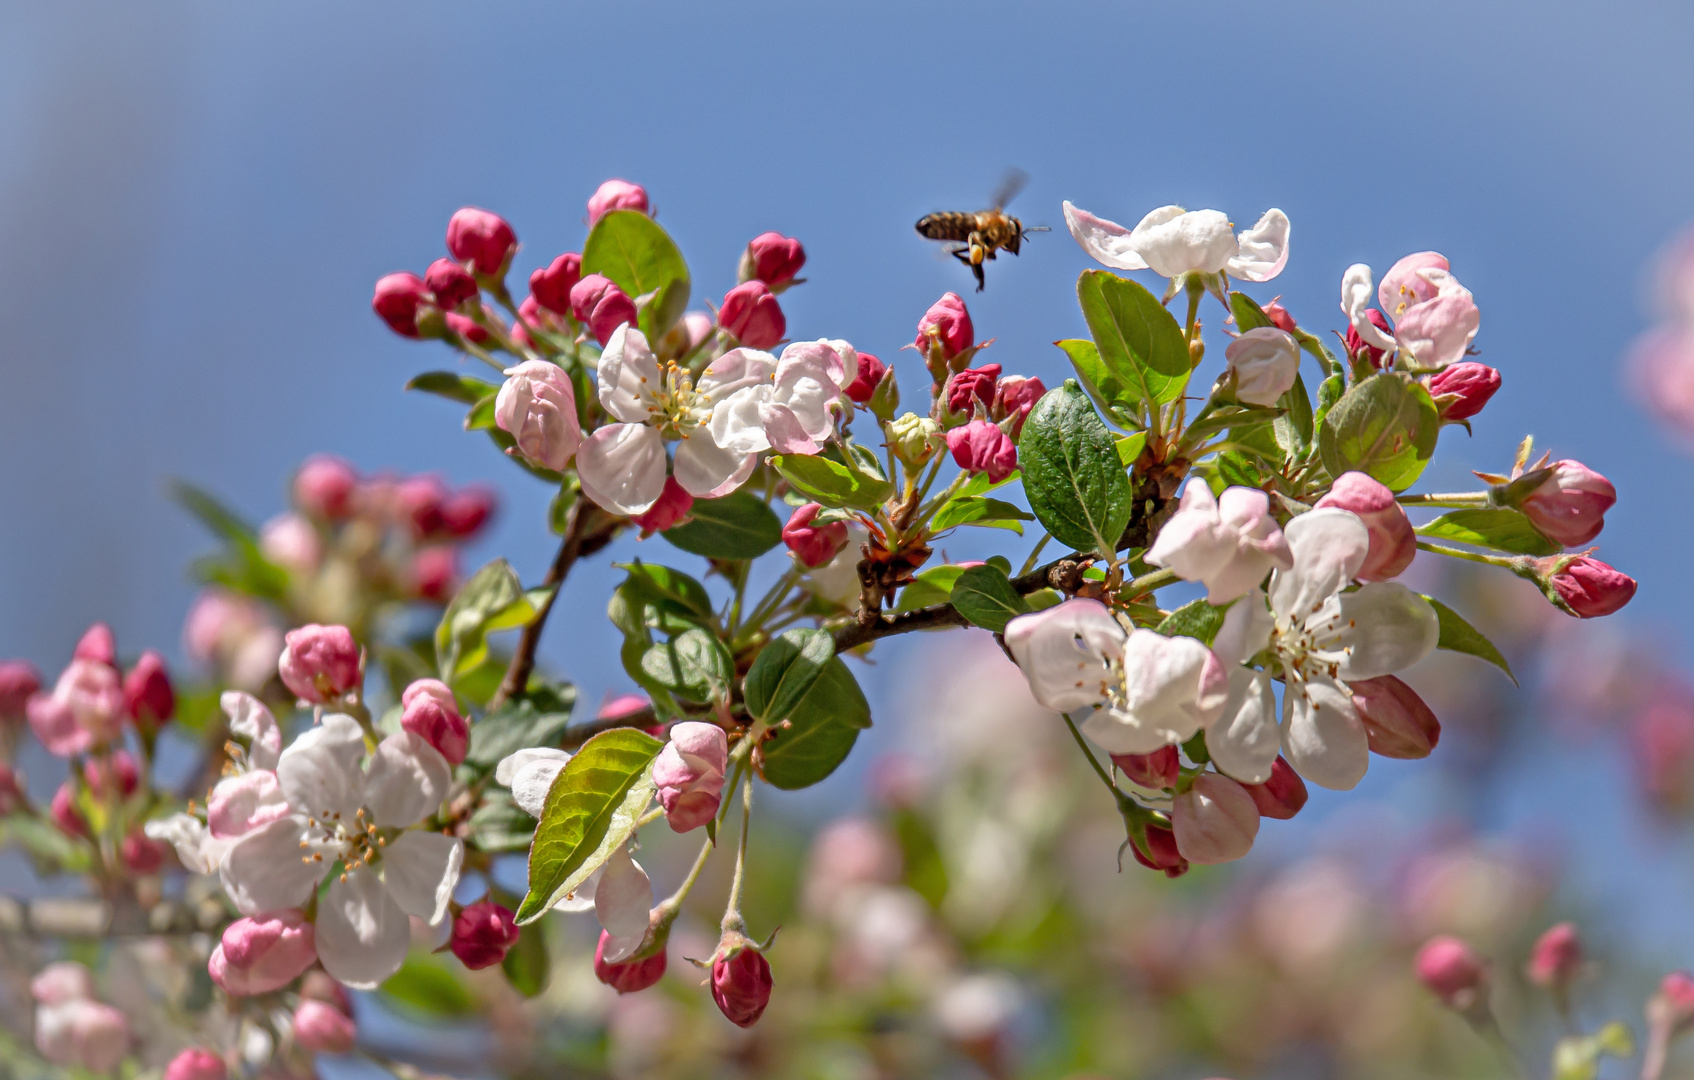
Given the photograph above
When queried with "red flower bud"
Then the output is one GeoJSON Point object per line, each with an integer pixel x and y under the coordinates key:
{"type": "Point", "coordinates": [616, 195]}
{"type": "Point", "coordinates": [1570, 505]}
{"type": "Point", "coordinates": [871, 371]}
{"type": "Point", "coordinates": [1014, 397]}
{"type": "Point", "coordinates": [741, 984]}
{"type": "Point", "coordinates": [430, 712]}
{"type": "Point", "coordinates": [465, 327]}
{"type": "Point", "coordinates": [19, 681]}
{"type": "Point", "coordinates": [751, 313]}
{"type": "Point", "coordinates": [599, 304]}
{"type": "Point", "coordinates": [148, 697]}
{"type": "Point", "coordinates": [1161, 853]}
{"type": "Point", "coordinates": [1355, 344]}
{"type": "Point", "coordinates": [1556, 956]}
{"type": "Point", "coordinates": [435, 573]}
{"type": "Point", "coordinates": [116, 777]}
{"type": "Point", "coordinates": [813, 545]}
{"type": "Point", "coordinates": [1474, 383]}
{"type": "Point", "coordinates": [672, 507]}
{"type": "Point", "coordinates": [324, 487]}
{"type": "Point", "coordinates": [1283, 795]}
{"type": "Point", "coordinates": [398, 299]}
{"type": "Point", "coordinates": [977, 383]}
{"type": "Point", "coordinates": [418, 501]}
{"type": "Point", "coordinates": [321, 663]}
{"type": "Point", "coordinates": [551, 286]}
{"type": "Point", "coordinates": [1451, 971]}
{"type": "Point", "coordinates": [981, 447]}
{"type": "Point", "coordinates": [1392, 541]}
{"type": "Point", "coordinates": [64, 813]}
{"type": "Point", "coordinates": [482, 240]}
{"type": "Point", "coordinates": [97, 644]}
{"type": "Point", "coordinates": [773, 259]}
{"type": "Point", "coordinates": [1397, 722]}
{"type": "Point", "coordinates": [451, 283]}
{"type": "Point", "coordinates": [948, 323]}
{"type": "Point", "coordinates": [629, 976]}
{"type": "Point", "coordinates": [1590, 587]}
{"type": "Point", "coordinates": [1279, 316]}
{"type": "Point", "coordinates": [196, 1064]}
{"type": "Point", "coordinates": [466, 511]}
{"type": "Point", "coordinates": [1157, 770]}
{"type": "Point", "coordinates": [141, 854]}
{"type": "Point", "coordinates": [482, 935]}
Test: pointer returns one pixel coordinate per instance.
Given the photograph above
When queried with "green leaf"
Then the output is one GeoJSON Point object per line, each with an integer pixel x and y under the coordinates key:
{"type": "Point", "coordinates": [784, 671]}
{"type": "Point", "coordinates": [820, 731]}
{"type": "Point", "coordinates": [1457, 635]}
{"type": "Point", "coordinates": [1248, 314]}
{"type": "Point", "coordinates": [1130, 447]}
{"type": "Point", "coordinates": [933, 586]}
{"type": "Point", "coordinates": [591, 810]}
{"type": "Point", "coordinates": [1385, 425]}
{"type": "Point", "coordinates": [669, 590]}
{"type": "Point", "coordinates": [243, 568]}
{"type": "Point", "coordinates": [1195, 619]}
{"type": "Point", "coordinates": [831, 483]}
{"type": "Point", "coordinates": [1328, 394]}
{"type": "Point", "coordinates": [1139, 341]}
{"type": "Point", "coordinates": [425, 986]}
{"type": "Point", "coordinates": [979, 511]}
{"type": "Point", "coordinates": [558, 511]}
{"type": "Point", "coordinates": [694, 666]}
{"type": "Point", "coordinates": [453, 386]}
{"type": "Point", "coordinates": [737, 526]}
{"type": "Point", "coordinates": [1501, 529]}
{"type": "Point", "coordinates": [984, 595]}
{"type": "Point", "coordinates": [481, 415]}
{"type": "Point", "coordinates": [1071, 473]}
{"type": "Point", "coordinates": [499, 824]}
{"type": "Point", "coordinates": [1294, 427]}
{"type": "Point", "coordinates": [1097, 379]}
{"type": "Point", "coordinates": [527, 963]}
{"type": "Point", "coordinates": [635, 252]}
{"type": "Point", "coordinates": [517, 725]}
{"type": "Point", "coordinates": [492, 600]}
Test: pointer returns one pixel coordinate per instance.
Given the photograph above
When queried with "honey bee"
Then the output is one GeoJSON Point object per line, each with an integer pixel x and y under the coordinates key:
{"type": "Point", "coordinates": [983, 233]}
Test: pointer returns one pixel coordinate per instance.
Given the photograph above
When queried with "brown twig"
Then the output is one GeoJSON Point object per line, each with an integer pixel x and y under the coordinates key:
{"type": "Point", "coordinates": [1063, 574]}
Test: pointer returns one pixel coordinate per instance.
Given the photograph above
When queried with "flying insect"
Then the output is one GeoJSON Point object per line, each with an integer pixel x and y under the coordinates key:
{"type": "Point", "coordinates": [983, 233]}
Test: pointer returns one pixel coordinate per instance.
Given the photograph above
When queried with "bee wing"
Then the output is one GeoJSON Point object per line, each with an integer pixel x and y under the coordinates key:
{"type": "Point", "coordinates": [1010, 185]}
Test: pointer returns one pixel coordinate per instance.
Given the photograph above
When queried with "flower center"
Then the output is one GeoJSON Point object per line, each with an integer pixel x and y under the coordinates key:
{"type": "Point", "coordinates": [1312, 646]}
{"type": "Point", "coordinates": [354, 841]}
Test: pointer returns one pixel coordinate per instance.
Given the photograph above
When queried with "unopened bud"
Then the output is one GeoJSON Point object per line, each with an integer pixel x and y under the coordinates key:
{"type": "Point", "coordinates": [981, 447]}
{"type": "Point", "coordinates": [1215, 821]}
{"type": "Point", "coordinates": [1397, 722]}
{"type": "Point", "coordinates": [261, 953]}
{"type": "Point", "coordinates": [1279, 316]}
{"type": "Point", "coordinates": [1674, 1003]}
{"type": "Point", "coordinates": [670, 509]}
{"type": "Point", "coordinates": [751, 314]}
{"type": "Point", "coordinates": [813, 545]}
{"type": "Point", "coordinates": [148, 696]}
{"type": "Point", "coordinates": [1154, 771]}
{"type": "Point", "coordinates": [1161, 853]}
{"type": "Point", "coordinates": [1451, 971]}
{"type": "Point", "coordinates": [451, 283]}
{"type": "Point", "coordinates": [483, 934]}
{"type": "Point", "coordinates": [398, 300]}
{"type": "Point", "coordinates": [417, 503]}
{"type": "Point", "coordinates": [19, 681]}
{"type": "Point", "coordinates": [871, 371]}
{"type": "Point", "coordinates": [947, 326]}
{"type": "Point", "coordinates": [322, 1029]}
{"type": "Point", "coordinates": [689, 773]}
{"type": "Point", "coordinates": [112, 778]}
{"type": "Point", "coordinates": [536, 405]}
{"type": "Point", "coordinates": [1557, 955]}
{"type": "Point", "coordinates": [1471, 385]}
{"type": "Point", "coordinates": [324, 487]}
{"type": "Point", "coordinates": [741, 981]}
{"type": "Point", "coordinates": [914, 438]}
{"type": "Point", "coordinates": [599, 304]}
{"type": "Point", "coordinates": [482, 240]}
{"type": "Point", "coordinates": [773, 259]}
{"type": "Point", "coordinates": [628, 976]}
{"type": "Point", "coordinates": [466, 511]}
{"type": "Point", "coordinates": [1570, 505]}
{"type": "Point", "coordinates": [321, 663]}
{"type": "Point", "coordinates": [141, 854]}
{"type": "Point", "coordinates": [971, 385]}
{"type": "Point", "coordinates": [551, 285]}
{"type": "Point", "coordinates": [64, 813]}
{"type": "Point", "coordinates": [465, 328]}
{"type": "Point", "coordinates": [1588, 587]}
{"type": "Point", "coordinates": [1393, 544]}
{"type": "Point", "coordinates": [430, 712]}
{"type": "Point", "coordinates": [11, 789]}
{"type": "Point", "coordinates": [1355, 344]}
{"type": "Point", "coordinates": [1283, 795]}
{"type": "Point", "coordinates": [616, 195]}
{"type": "Point", "coordinates": [435, 573]}
{"type": "Point", "coordinates": [1265, 362]}
{"type": "Point", "coordinates": [1014, 397]}
{"type": "Point", "coordinates": [196, 1064]}
{"type": "Point", "coordinates": [97, 646]}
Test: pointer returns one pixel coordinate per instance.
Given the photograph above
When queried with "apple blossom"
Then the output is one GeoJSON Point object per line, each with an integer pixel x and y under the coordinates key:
{"type": "Point", "coordinates": [1283, 795]}
{"type": "Point", "coordinates": [1171, 242]}
{"type": "Point", "coordinates": [82, 1033]}
{"type": "Point", "coordinates": [291, 542]}
{"type": "Point", "coordinates": [1570, 505]}
{"type": "Point", "coordinates": [623, 899]}
{"type": "Point", "coordinates": [430, 711]}
{"type": "Point", "coordinates": [324, 487]}
{"type": "Point", "coordinates": [750, 313]}
{"type": "Point", "coordinates": [320, 664]}
{"type": "Point", "coordinates": [629, 976]}
{"type": "Point", "coordinates": [600, 305]}
{"type": "Point", "coordinates": [1397, 722]}
{"type": "Point", "coordinates": [1471, 385]}
{"type": "Point", "coordinates": [451, 283]}
{"type": "Point", "coordinates": [1215, 820]}
{"type": "Point", "coordinates": [19, 681]}
{"type": "Point", "coordinates": [97, 646]}
{"type": "Point", "coordinates": [616, 195]}
{"type": "Point", "coordinates": [982, 447]}
{"type": "Point", "coordinates": [530, 775]}
{"type": "Point", "coordinates": [947, 326]}
{"type": "Point", "coordinates": [794, 413]}
{"type": "Point", "coordinates": [399, 299]}
{"type": "Point", "coordinates": [689, 773]}
{"type": "Point", "coordinates": [1227, 544]}
{"type": "Point", "coordinates": [1358, 348]}
{"type": "Point", "coordinates": [1265, 362]}
{"type": "Point", "coordinates": [1161, 853]}
{"type": "Point", "coordinates": [263, 952]}
{"type": "Point", "coordinates": [1014, 396]}
{"type": "Point", "coordinates": [670, 510]}
{"type": "Point", "coordinates": [481, 240]}
{"type": "Point", "coordinates": [323, 1029]}
{"type": "Point", "coordinates": [1451, 971]}
{"type": "Point", "coordinates": [483, 933]}
{"type": "Point", "coordinates": [1589, 588]}
{"type": "Point", "coordinates": [1437, 319]}
{"type": "Point", "coordinates": [551, 285]}
{"type": "Point", "coordinates": [773, 259]}
{"type": "Point", "coordinates": [813, 545]}
{"type": "Point", "coordinates": [1151, 690]}
{"type": "Point", "coordinates": [1321, 638]}
{"type": "Point", "coordinates": [1154, 771]}
{"type": "Point", "coordinates": [837, 580]}
{"type": "Point", "coordinates": [971, 384]}
{"type": "Point", "coordinates": [741, 982]}
{"type": "Point", "coordinates": [1393, 544]}
{"type": "Point", "coordinates": [196, 1063]}
{"type": "Point", "coordinates": [864, 384]}
{"type": "Point", "coordinates": [60, 982]}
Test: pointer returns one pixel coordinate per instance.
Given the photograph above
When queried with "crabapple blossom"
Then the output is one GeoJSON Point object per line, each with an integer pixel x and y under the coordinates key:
{"type": "Point", "coordinates": [417, 503]}
{"type": "Point", "coordinates": [629, 976]}
{"type": "Point", "coordinates": [1215, 820]}
{"type": "Point", "coordinates": [600, 305]}
{"type": "Point", "coordinates": [971, 384]}
{"type": "Point", "coordinates": [430, 711]}
{"type": "Point", "coordinates": [196, 1063]}
{"type": "Point", "coordinates": [464, 328]}
{"type": "Point", "coordinates": [864, 384]}
{"type": "Point", "coordinates": [1161, 853]}
{"type": "Point", "coordinates": [466, 511]}
{"type": "Point", "coordinates": [323, 1029]}
{"type": "Point", "coordinates": [1154, 771]}
{"type": "Point", "coordinates": [773, 259]}
{"type": "Point", "coordinates": [741, 982]}
{"type": "Point", "coordinates": [1172, 241]}
{"type": "Point", "coordinates": [1321, 638]}
{"type": "Point", "coordinates": [62, 981]}
{"type": "Point", "coordinates": [1589, 587]}
{"type": "Point", "coordinates": [483, 933]}
{"type": "Point", "coordinates": [324, 487]}
{"type": "Point", "coordinates": [290, 541]}
{"type": "Point", "coordinates": [80, 1032]}
{"type": "Point", "coordinates": [1014, 397]}
{"type": "Point", "coordinates": [1279, 316]}
{"type": "Point", "coordinates": [1151, 690]}
{"type": "Point", "coordinates": [689, 773]}
{"type": "Point", "coordinates": [1358, 348]}
{"type": "Point", "coordinates": [1393, 544]}
{"type": "Point", "coordinates": [263, 952]}
{"type": "Point", "coordinates": [947, 326]}
{"type": "Point", "coordinates": [623, 900]}
{"type": "Point", "coordinates": [398, 301]}
{"type": "Point", "coordinates": [451, 283]}
{"type": "Point", "coordinates": [1471, 384]}
{"type": "Point", "coordinates": [1282, 796]}
{"type": "Point", "coordinates": [1451, 971]}
{"type": "Point", "coordinates": [1397, 722]}
{"type": "Point", "coordinates": [750, 313]}
{"type": "Point", "coordinates": [148, 697]}
{"type": "Point", "coordinates": [982, 447]}
{"type": "Point", "coordinates": [244, 802]}
{"type": "Point", "coordinates": [1265, 362]}
{"type": "Point", "coordinates": [1555, 957]}
{"type": "Point", "coordinates": [111, 778]}
{"type": "Point", "coordinates": [616, 195]}
{"type": "Point", "coordinates": [1435, 319]}
{"type": "Point", "coordinates": [481, 239]}
{"type": "Point", "coordinates": [794, 413]}
{"type": "Point", "coordinates": [670, 510]}
{"type": "Point", "coordinates": [530, 775]}
{"type": "Point", "coordinates": [813, 545]}
{"type": "Point", "coordinates": [1227, 544]}
{"type": "Point", "coordinates": [551, 285]}
{"type": "Point", "coordinates": [64, 813]}
{"type": "Point", "coordinates": [1570, 505]}
{"type": "Point", "coordinates": [320, 664]}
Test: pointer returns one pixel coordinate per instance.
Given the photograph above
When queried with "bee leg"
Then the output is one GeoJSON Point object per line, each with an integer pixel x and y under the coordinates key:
{"type": "Point", "coordinates": [976, 268]}
{"type": "Point", "coordinates": [963, 254]}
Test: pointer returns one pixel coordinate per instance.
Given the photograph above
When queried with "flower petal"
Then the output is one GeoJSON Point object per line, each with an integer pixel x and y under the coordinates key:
{"type": "Point", "coordinates": [421, 869]}
{"type": "Point", "coordinates": [1322, 736]}
{"type": "Point", "coordinates": [622, 467]}
{"type": "Point", "coordinates": [249, 717]}
{"type": "Point", "coordinates": [1329, 547]}
{"type": "Point", "coordinates": [265, 870]}
{"type": "Point", "coordinates": [1263, 249]}
{"type": "Point", "coordinates": [1174, 241]}
{"type": "Point", "coordinates": [706, 470]}
{"type": "Point", "coordinates": [1355, 301]}
{"type": "Point", "coordinates": [199, 852]}
{"type": "Point", "coordinates": [1246, 629]}
{"type": "Point", "coordinates": [1105, 241]}
{"type": "Point", "coordinates": [532, 782]}
{"type": "Point", "coordinates": [1438, 332]}
{"type": "Point", "coordinates": [1066, 652]}
{"type": "Point", "coordinates": [408, 779]}
{"type": "Point", "coordinates": [623, 899]}
{"type": "Point", "coordinates": [628, 375]}
{"type": "Point", "coordinates": [319, 771]}
{"type": "Point", "coordinates": [738, 421]}
{"type": "Point", "coordinates": [362, 934]}
{"type": "Point", "coordinates": [1245, 740]}
{"type": "Point", "coordinates": [1387, 628]}
{"type": "Point", "coordinates": [512, 764]}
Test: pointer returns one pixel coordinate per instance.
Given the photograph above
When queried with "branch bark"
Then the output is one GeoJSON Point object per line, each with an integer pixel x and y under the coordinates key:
{"type": "Point", "coordinates": [1063, 574]}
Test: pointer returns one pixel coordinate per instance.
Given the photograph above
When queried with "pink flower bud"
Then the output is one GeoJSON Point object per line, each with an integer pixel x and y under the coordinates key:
{"type": "Point", "coordinates": [864, 384]}
{"type": "Point", "coordinates": [773, 259]}
{"type": "Point", "coordinates": [56, 726]}
{"type": "Point", "coordinates": [97, 646]}
{"type": "Point", "coordinates": [482, 934]}
{"type": "Point", "coordinates": [1397, 722]}
{"type": "Point", "coordinates": [1403, 287]}
{"type": "Point", "coordinates": [60, 982]}
{"type": "Point", "coordinates": [319, 986]}
{"type": "Point", "coordinates": [741, 984]}
{"type": "Point", "coordinates": [977, 383]}
{"type": "Point", "coordinates": [435, 574]}
{"type": "Point", "coordinates": [430, 713]}
{"type": "Point", "coordinates": [112, 778]}
{"type": "Point", "coordinates": [466, 328]}
{"type": "Point", "coordinates": [291, 541]}
{"type": "Point", "coordinates": [141, 854]}
{"type": "Point", "coordinates": [482, 240]}
{"type": "Point", "coordinates": [1014, 397]}
{"type": "Point", "coordinates": [1355, 345]}
{"type": "Point", "coordinates": [1570, 505]}
{"type": "Point", "coordinates": [1473, 383]}
{"type": "Point", "coordinates": [1557, 954]}
{"type": "Point", "coordinates": [323, 1029]}
{"type": "Point", "coordinates": [599, 304]}
{"type": "Point", "coordinates": [148, 697]}
{"type": "Point", "coordinates": [1156, 771]}
{"type": "Point", "coordinates": [948, 324]}
{"type": "Point", "coordinates": [752, 315]}
{"type": "Point", "coordinates": [689, 773]}
{"type": "Point", "coordinates": [417, 503]}
{"type": "Point", "coordinates": [82, 1033]}
{"type": "Point", "coordinates": [1451, 971]}
{"type": "Point", "coordinates": [981, 447]}
{"type": "Point", "coordinates": [536, 405]}
{"type": "Point", "coordinates": [623, 707]}
{"type": "Point", "coordinates": [466, 511]}
{"type": "Point", "coordinates": [1590, 587]}
{"type": "Point", "coordinates": [1392, 541]}
{"type": "Point", "coordinates": [321, 663]}
{"type": "Point", "coordinates": [261, 953]}
{"type": "Point", "coordinates": [813, 545]}
{"type": "Point", "coordinates": [324, 486]}
{"type": "Point", "coordinates": [239, 804]}
{"type": "Point", "coordinates": [628, 976]}
{"type": "Point", "coordinates": [1283, 795]}
{"type": "Point", "coordinates": [451, 283]}
{"type": "Point", "coordinates": [63, 810]}
{"type": "Point", "coordinates": [1279, 316]}
{"type": "Point", "coordinates": [616, 195]}
{"type": "Point", "coordinates": [19, 681]}
{"type": "Point", "coordinates": [398, 300]}
{"type": "Point", "coordinates": [92, 690]}
{"type": "Point", "coordinates": [1161, 853]}
{"type": "Point", "coordinates": [1215, 821]}
{"type": "Point", "coordinates": [1676, 999]}
{"type": "Point", "coordinates": [196, 1063]}
{"type": "Point", "coordinates": [669, 510]}
{"type": "Point", "coordinates": [551, 285]}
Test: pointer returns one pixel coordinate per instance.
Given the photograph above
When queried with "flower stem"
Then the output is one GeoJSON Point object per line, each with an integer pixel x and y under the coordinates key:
{"type": "Point", "coordinates": [1146, 583]}
{"type": "Point", "coordinates": [1509, 562]}
{"type": "Point", "coordinates": [1092, 760]}
{"type": "Point", "coordinates": [1029, 563]}
{"type": "Point", "coordinates": [1449, 499]}
{"type": "Point", "coordinates": [732, 919]}
{"type": "Point", "coordinates": [671, 906]}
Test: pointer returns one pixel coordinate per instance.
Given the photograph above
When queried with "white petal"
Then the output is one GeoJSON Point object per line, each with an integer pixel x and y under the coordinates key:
{"type": "Point", "coordinates": [1388, 628]}
{"type": "Point", "coordinates": [511, 764]}
{"type": "Point", "coordinates": [849, 360]}
{"type": "Point", "coordinates": [1118, 732]}
{"type": "Point", "coordinates": [1323, 736]}
{"type": "Point", "coordinates": [199, 851]}
{"type": "Point", "coordinates": [735, 369]}
{"type": "Point", "coordinates": [628, 375]}
{"type": "Point", "coordinates": [531, 784]}
{"type": "Point", "coordinates": [1105, 241]}
{"type": "Point", "coordinates": [818, 356]}
{"type": "Point", "coordinates": [319, 771]}
{"type": "Point", "coordinates": [1266, 361]}
{"type": "Point", "coordinates": [624, 898]}
{"type": "Point", "coordinates": [583, 899]}
{"type": "Point", "coordinates": [421, 870]}
{"type": "Point", "coordinates": [407, 780]}
{"type": "Point", "coordinates": [1356, 293]}
{"type": "Point", "coordinates": [1329, 546]}
{"type": "Point", "coordinates": [267, 868]}
{"type": "Point", "coordinates": [1245, 740]}
{"type": "Point", "coordinates": [622, 467]}
{"type": "Point", "coordinates": [706, 470]}
{"type": "Point", "coordinates": [1066, 652]}
{"type": "Point", "coordinates": [362, 935]}
{"type": "Point", "coordinates": [248, 717]}
{"type": "Point", "coordinates": [1246, 629]}
{"type": "Point", "coordinates": [807, 390]}
{"type": "Point", "coordinates": [1174, 242]}
{"type": "Point", "coordinates": [738, 421]}
{"type": "Point", "coordinates": [1263, 249]}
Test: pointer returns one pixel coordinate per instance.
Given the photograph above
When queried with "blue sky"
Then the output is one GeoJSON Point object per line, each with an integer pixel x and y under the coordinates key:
{"type": "Point", "coordinates": [196, 199]}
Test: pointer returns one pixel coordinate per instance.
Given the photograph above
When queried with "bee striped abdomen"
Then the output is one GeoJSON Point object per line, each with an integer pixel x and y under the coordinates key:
{"type": "Point", "coordinates": [950, 225]}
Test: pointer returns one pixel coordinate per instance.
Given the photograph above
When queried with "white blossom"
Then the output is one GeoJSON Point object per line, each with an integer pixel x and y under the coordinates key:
{"type": "Point", "coordinates": [1172, 241]}
{"type": "Point", "coordinates": [1229, 545]}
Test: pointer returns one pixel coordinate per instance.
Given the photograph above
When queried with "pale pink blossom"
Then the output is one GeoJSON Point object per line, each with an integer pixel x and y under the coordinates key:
{"type": "Point", "coordinates": [1227, 544]}
{"type": "Point", "coordinates": [689, 773]}
{"type": "Point", "coordinates": [537, 407]}
{"type": "Point", "coordinates": [1215, 820]}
